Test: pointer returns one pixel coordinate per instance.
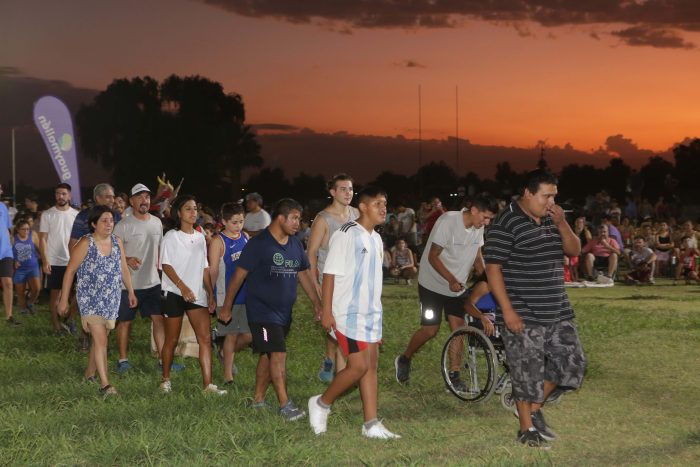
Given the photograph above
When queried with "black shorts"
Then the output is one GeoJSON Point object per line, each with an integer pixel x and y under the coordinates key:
{"type": "Point", "coordinates": [149, 304]}
{"type": "Point", "coordinates": [7, 267]}
{"type": "Point", "coordinates": [268, 338]}
{"type": "Point", "coordinates": [174, 306]}
{"type": "Point", "coordinates": [601, 262]}
{"type": "Point", "coordinates": [54, 280]}
{"type": "Point", "coordinates": [432, 305]}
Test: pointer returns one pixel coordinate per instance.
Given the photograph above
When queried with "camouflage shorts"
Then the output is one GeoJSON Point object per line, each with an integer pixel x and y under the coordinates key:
{"type": "Point", "coordinates": [540, 353]}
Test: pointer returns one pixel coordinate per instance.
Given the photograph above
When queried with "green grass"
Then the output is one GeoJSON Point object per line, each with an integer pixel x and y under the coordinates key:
{"type": "Point", "coordinates": [638, 404]}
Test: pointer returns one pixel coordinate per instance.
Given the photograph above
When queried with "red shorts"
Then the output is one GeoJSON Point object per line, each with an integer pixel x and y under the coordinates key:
{"type": "Point", "coordinates": [348, 346]}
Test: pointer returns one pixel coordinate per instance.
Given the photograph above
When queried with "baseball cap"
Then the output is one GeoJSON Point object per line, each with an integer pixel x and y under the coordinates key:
{"type": "Point", "coordinates": [139, 188]}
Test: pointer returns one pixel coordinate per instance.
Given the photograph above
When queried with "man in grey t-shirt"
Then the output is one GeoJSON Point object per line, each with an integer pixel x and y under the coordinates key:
{"type": "Point", "coordinates": [141, 234]}
{"type": "Point", "coordinates": [257, 219]}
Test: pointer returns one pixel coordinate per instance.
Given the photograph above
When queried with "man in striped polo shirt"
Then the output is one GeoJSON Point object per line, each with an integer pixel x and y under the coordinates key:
{"type": "Point", "coordinates": [524, 254]}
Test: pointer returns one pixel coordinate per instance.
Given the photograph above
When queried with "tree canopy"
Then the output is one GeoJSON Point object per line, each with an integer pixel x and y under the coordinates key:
{"type": "Point", "coordinates": [187, 127]}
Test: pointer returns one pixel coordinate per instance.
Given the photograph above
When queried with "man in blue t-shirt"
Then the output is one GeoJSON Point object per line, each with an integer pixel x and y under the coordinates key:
{"type": "Point", "coordinates": [270, 264]}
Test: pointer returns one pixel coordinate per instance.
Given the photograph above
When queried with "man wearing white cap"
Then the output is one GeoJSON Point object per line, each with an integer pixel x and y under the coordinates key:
{"type": "Point", "coordinates": [141, 234]}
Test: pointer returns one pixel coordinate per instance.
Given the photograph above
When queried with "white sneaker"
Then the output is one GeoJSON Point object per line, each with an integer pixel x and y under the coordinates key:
{"type": "Point", "coordinates": [379, 431]}
{"type": "Point", "coordinates": [213, 389]}
{"type": "Point", "coordinates": [318, 416]}
{"type": "Point", "coordinates": [166, 387]}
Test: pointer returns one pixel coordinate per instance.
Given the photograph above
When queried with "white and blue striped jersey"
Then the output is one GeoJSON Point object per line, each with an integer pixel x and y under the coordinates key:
{"type": "Point", "coordinates": [355, 259]}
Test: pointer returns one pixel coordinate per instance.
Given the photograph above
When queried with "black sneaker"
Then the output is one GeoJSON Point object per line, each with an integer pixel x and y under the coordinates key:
{"type": "Point", "coordinates": [457, 383]}
{"type": "Point", "coordinates": [403, 369]}
{"type": "Point", "coordinates": [532, 439]}
{"type": "Point", "coordinates": [11, 321]}
{"type": "Point", "coordinates": [541, 426]}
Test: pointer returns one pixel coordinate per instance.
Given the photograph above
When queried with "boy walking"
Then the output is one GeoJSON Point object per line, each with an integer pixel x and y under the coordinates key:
{"type": "Point", "coordinates": [352, 310]}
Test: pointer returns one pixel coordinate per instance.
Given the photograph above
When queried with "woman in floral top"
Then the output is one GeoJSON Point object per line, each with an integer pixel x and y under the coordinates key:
{"type": "Point", "coordinates": [99, 260]}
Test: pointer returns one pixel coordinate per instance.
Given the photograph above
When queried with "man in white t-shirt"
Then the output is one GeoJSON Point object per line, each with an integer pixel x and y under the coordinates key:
{"type": "Point", "coordinates": [257, 219]}
{"type": "Point", "coordinates": [54, 234]}
{"type": "Point", "coordinates": [407, 224]}
{"type": "Point", "coordinates": [452, 249]}
{"type": "Point", "coordinates": [141, 234]}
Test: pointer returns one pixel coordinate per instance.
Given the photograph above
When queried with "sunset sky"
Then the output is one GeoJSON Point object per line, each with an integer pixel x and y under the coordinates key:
{"type": "Point", "coordinates": [525, 72]}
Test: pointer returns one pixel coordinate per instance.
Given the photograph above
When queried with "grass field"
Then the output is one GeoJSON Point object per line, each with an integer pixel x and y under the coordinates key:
{"type": "Point", "coordinates": [638, 404]}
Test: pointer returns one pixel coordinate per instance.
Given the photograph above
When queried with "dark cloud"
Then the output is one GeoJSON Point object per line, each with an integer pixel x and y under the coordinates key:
{"type": "Point", "coordinates": [662, 19]}
{"type": "Point", "coordinates": [409, 64]}
{"type": "Point", "coordinates": [619, 146]}
{"type": "Point", "coordinates": [648, 36]}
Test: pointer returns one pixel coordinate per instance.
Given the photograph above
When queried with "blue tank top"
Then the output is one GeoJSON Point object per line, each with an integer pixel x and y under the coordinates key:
{"type": "Point", "coordinates": [25, 254]}
{"type": "Point", "coordinates": [229, 261]}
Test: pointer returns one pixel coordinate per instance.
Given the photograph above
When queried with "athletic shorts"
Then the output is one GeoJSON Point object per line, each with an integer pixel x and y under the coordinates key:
{"type": "Point", "coordinates": [7, 267]}
{"type": "Point", "coordinates": [96, 320]}
{"type": "Point", "coordinates": [268, 338]}
{"type": "Point", "coordinates": [432, 305]}
{"type": "Point", "coordinates": [238, 324]}
{"type": "Point", "coordinates": [54, 280]}
{"type": "Point", "coordinates": [22, 276]}
{"type": "Point", "coordinates": [552, 353]}
{"type": "Point", "coordinates": [149, 304]}
{"type": "Point", "coordinates": [174, 306]}
{"type": "Point", "coordinates": [348, 345]}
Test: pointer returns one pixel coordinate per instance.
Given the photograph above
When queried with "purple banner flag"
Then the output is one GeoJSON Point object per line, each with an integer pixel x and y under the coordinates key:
{"type": "Point", "coordinates": [53, 120]}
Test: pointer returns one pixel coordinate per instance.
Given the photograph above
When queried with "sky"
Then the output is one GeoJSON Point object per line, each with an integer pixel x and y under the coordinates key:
{"type": "Point", "coordinates": [570, 73]}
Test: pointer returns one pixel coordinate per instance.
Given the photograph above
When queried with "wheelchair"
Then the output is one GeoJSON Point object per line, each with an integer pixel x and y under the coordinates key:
{"type": "Point", "coordinates": [481, 362]}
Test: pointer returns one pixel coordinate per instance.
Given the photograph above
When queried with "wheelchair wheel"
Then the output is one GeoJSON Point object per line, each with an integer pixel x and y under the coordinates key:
{"type": "Point", "coordinates": [508, 401]}
{"type": "Point", "coordinates": [469, 350]}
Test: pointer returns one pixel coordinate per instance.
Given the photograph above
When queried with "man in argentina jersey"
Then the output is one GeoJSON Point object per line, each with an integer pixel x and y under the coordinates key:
{"type": "Point", "coordinates": [524, 255]}
{"type": "Point", "coordinates": [352, 311]}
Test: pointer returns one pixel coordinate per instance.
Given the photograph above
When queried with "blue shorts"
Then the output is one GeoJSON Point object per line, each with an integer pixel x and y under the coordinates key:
{"type": "Point", "coordinates": [149, 304]}
{"type": "Point", "coordinates": [22, 276]}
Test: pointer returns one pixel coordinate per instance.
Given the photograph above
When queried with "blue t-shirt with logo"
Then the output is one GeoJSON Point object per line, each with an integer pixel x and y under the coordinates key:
{"type": "Point", "coordinates": [272, 277]}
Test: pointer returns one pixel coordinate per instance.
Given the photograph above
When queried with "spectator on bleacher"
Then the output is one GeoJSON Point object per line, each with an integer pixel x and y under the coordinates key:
{"type": "Point", "coordinates": [663, 247]}
{"type": "Point", "coordinates": [403, 265]}
{"type": "Point", "coordinates": [581, 230]}
{"type": "Point", "coordinates": [687, 265]}
{"type": "Point", "coordinates": [631, 208]}
{"type": "Point", "coordinates": [407, 224]}
{"type": "Point", "coordinates": [661, 209]}
{"type": "Point", "coordinates": [643, 262]}
{"type": "Point", "coordinates": [612, 230]}
{"type": "Point", "coordinates": [601, 252]}
{"type": "Point", "coordinates": [646, 210]}
{"type": "Point", "coordinates": [614, 211]}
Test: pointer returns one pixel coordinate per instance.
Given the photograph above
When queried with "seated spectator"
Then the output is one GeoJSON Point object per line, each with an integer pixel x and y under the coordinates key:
{"type": "Point", "coordinates": [687, 265]}
{"type": "Point", "coordinates": [601, 252]}
{"type": "Point", "coordinates": [571, 265]}
{"type": "Point", "coordinates": [613, 231]}
{"type": "Point", "coordinates": [386, 262]}
{"type": "Point", "coordinates": [686, 230]}
{"type": "Point", "coordinates": [643, 261]}
{"type": "Point", "coordinates": [663, 247]}
{"type": "Point", "coordinates": [402, 264]}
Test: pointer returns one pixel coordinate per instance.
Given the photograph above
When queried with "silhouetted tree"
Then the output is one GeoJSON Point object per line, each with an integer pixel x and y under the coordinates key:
{"type": "Point", "coordinates": [271, 184]}
{"type": "Point", "coordinates": [616, 175]}
{"type": "Point", "coordinates": [398, 187]}
{"type": "Point", "coordinates": [438, 180]}
{"type": "Point", "coordinates": [577, 181]}
{"type": "Point", "coordinates": [188, 127]}
{"type": "Point", "coordinates": [305, 188]}
{"type": "Point", "coordinates": [654, 174]}
{"type": "Point", "coordinates": [687, 170]}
